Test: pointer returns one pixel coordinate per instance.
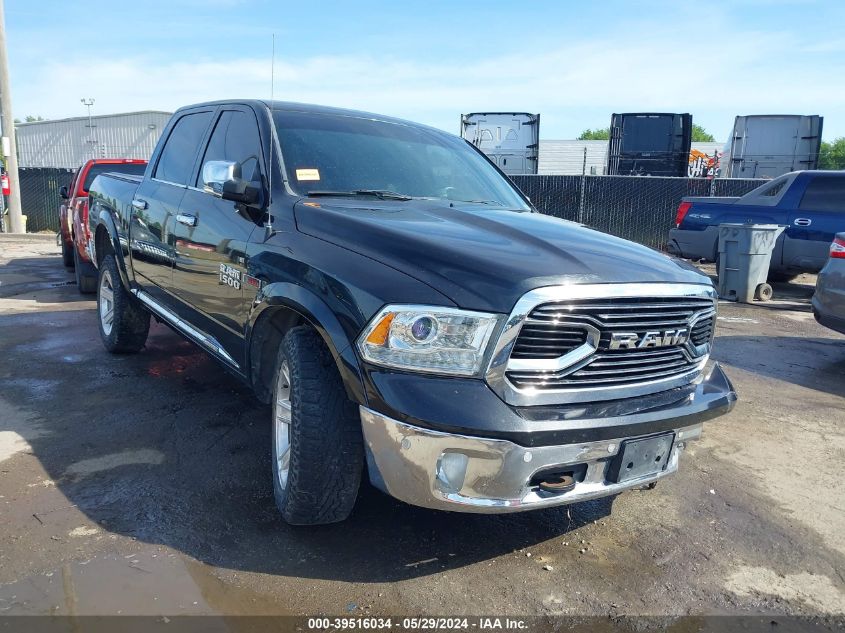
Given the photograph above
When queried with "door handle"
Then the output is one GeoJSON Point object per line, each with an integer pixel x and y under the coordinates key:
{"type": "Point", "coordinates": [139, 204]}
{"type": "Point", "coordinates": [802, 222]}
{"type": "Point", "coordinates": [187, 219]}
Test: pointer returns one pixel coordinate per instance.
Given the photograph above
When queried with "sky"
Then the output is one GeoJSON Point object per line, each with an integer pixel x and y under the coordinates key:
{"type": "Point", "coordinates": [573, 62]}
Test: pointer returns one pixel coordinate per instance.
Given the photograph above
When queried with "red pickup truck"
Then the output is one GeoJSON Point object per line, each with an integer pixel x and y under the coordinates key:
{"type": "Point", "coordinates": [73, 215]}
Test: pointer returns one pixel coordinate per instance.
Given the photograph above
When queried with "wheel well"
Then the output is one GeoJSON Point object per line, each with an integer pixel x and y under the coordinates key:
{"type": "Point", "coordinates": [102, 243]}
{"type": "Point", "coordinates": [267, 335]}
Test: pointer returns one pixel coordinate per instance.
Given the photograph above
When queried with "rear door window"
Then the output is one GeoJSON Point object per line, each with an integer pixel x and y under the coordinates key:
{"type": "Point", "coordinates": [825, 193]}
{"type": "Point", "coordinates": [180, 150]}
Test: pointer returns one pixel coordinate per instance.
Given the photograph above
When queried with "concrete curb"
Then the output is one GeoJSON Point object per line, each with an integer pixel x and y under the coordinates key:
{"type": "Point", "coordinates": [28, 237]}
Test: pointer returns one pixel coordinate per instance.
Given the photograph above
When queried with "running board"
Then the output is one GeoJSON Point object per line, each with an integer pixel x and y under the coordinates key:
{"type": "Point", "coordinates": [209, 343]}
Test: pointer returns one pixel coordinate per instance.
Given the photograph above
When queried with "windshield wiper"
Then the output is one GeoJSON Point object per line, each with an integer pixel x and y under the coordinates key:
{"type": "Point", "coordinates": [381, 194]}
{"type": "Point", "coordinates": [492, 202]}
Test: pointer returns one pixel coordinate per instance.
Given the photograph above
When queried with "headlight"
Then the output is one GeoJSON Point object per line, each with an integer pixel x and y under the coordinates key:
{"type": "Point", "coordinates": [428, 339]}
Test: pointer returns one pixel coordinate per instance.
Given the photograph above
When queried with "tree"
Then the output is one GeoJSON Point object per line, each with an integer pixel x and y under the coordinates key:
{"type": "Point", "coordinates": [832, 154]}
{"type": "Point", "coordinates": [29, 119]}
{"type": "Point", "coordinates": [700, 135]}
{"type": "Point", "coordinates": [598, 134]}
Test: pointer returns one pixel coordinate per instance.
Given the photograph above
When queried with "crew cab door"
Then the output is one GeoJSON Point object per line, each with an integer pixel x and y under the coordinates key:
{"type": "Point", "coordinates": [211, 235]}
{"type": "Point", "coordinates": [814, 221]}
{"type": "Point", "coordinates": [156, 204]}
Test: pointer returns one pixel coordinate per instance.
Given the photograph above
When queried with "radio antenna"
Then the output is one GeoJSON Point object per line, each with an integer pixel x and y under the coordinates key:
{"type": "Point", "coordinates": [270, 139]}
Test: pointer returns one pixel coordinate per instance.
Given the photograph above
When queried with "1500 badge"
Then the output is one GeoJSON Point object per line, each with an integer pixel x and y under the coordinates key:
{"type": "Point", "coordinates": [230, 276]}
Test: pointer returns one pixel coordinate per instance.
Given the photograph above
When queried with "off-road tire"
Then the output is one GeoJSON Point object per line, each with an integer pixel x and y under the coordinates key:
{"type": "Point", "coordinates": [67, 254]}
{"type": "Point", "coordinates": [326, 443]}
{"type": "Point", "coordinates": [131, 323]}
{"type": "Point", "coordinates": [85, 273]}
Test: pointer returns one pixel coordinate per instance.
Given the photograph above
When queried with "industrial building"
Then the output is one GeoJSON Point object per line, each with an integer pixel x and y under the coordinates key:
{"type": "Point", "coordinates": [70, 142]}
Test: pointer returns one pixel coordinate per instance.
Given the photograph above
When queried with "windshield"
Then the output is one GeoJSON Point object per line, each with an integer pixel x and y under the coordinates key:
{"type": "Point", "coordinates": [331, 153]}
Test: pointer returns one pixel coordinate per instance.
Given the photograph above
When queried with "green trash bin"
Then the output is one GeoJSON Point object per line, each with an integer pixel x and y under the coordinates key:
{"type": "Point", "coordinates": [745, 253]}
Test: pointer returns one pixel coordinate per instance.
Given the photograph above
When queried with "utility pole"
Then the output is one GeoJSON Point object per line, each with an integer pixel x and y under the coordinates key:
{"type": "Point", "coordinates": [8, 123]}
{"type": "Point", "coordinates": [91, 140]}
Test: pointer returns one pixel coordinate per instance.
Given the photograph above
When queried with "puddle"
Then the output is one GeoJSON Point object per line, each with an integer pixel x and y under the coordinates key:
{"type": "Point", "coordinates": [87, 467]}
{"type": "Point", "coordinates": [150, 582]}
{"type": "Point", "coordinates": [37, 389]}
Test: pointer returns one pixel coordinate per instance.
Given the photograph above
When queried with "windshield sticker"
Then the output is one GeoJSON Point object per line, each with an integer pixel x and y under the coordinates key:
{"type": "Point", "coordinates": [308, 174]}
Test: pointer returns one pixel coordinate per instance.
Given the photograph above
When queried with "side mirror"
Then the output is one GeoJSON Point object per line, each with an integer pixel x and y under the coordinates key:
{"type": "Point", "coordinates": [217, 172]}
{"type": "Point", "coordinates": [239, 190]}
{"type": "Point", "coordinates": [63, 192]}
{"type": "Point", "coordinates": [223, 178]}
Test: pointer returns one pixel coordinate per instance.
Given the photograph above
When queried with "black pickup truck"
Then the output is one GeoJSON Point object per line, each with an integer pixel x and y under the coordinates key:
{"type": "Point", "coordinates": [406, 311]}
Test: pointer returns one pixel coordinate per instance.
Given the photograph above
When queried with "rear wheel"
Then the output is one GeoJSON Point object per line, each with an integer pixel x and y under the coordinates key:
{"type": "Point", "coordinates": [67, 254]}
{"type": "Point", "coordinates": [124, 325]}
{"type": "Point", "coordinates": [86, 274]}
{"type": "Point", "coordinates": [318, 450]}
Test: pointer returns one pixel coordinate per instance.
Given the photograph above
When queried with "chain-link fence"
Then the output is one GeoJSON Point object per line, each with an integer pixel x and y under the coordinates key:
{"type": "Point", "coordinates": [40, 196]}
{"type": "Point", "coordinates": [637, 208]}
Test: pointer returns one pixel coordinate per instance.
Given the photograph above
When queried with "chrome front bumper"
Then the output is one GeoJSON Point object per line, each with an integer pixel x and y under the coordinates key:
{"type": "Point", "coordinates": [469, 474]}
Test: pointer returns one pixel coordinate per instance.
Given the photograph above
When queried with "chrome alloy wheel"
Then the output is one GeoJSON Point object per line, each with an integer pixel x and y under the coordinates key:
{"type": "Point", "coordinates": [281, 423]}
{"type": "Point", "coordinates": [106, 302]}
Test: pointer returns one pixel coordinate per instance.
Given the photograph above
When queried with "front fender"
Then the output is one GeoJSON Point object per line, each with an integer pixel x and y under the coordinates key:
{"type": "Point", "coordinates": [314, 310]}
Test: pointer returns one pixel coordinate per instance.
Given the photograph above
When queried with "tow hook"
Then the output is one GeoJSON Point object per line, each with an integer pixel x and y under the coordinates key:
{"type": "Point", "coordinates": [558, 484]}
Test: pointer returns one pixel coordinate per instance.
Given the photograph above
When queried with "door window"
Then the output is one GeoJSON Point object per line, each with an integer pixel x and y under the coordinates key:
{"type": "Point", "coordinates": [825, 193]}
{"type": "Point", "coordinates": [235, 139]}
{"type": "Point", "coordinates": [180, 150]}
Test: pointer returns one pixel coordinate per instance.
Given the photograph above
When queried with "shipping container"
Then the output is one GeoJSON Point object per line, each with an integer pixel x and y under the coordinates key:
{"type": "Point", "coordinates": [769, 145]}
{"type": "Point", "coordinates": [649, 144]}
{"type": "Point", "coordinates": [510, 139]}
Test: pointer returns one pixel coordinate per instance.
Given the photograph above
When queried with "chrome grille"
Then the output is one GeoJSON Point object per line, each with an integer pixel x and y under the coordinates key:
{"type": "Point", "coordinates": [702, 331]}
{"type": "Point", "coordinates": [547, 340]}
{"type": "Point", "coordinates": [553, 330]}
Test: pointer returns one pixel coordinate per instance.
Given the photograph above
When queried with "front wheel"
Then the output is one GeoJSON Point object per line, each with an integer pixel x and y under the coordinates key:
{"type": "Point", "coordinates": [124, 325]}
{"type": "Point", "coordinates": [318, 449]}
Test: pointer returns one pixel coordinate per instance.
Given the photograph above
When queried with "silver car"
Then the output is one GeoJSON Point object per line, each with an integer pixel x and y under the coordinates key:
{"type": "Point", "coordinates": [829, 299]}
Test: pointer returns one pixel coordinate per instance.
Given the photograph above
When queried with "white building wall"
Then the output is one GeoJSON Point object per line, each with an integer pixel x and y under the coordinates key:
{"type": "Point", "coordinates": [71, 142]}
{"type": "Point", "coordinates": [567, 157]}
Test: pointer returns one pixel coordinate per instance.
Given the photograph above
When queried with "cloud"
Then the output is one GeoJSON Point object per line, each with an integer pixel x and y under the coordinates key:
{"type": "Point", "coordinates": [574, 85]}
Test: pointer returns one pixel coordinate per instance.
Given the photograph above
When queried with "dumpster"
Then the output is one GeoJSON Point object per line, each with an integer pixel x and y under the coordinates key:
{"type": "Point", "coordinates": [745, 253]}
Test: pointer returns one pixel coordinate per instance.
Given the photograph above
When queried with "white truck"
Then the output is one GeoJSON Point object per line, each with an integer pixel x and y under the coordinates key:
{"type": "Point", "coordinates": [510, 139]}
{"type": "Point", "coordinates": [770, 145]}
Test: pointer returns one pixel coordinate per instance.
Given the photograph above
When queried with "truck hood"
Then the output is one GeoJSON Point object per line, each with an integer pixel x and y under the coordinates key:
{"type": "Point", "coordinates": [481, 257]}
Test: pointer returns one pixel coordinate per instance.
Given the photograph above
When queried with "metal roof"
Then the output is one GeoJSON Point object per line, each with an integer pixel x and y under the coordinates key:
{"type": "Point", "coordinates": [72, 141]}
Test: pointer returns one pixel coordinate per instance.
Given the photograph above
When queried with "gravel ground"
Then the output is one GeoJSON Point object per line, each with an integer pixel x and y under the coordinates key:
{"type": "Point", "coordinates": [141, 485]}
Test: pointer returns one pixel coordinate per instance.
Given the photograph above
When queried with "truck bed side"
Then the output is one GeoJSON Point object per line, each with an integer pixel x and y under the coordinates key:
{"type": "Point", "coordinates": [109, 216]}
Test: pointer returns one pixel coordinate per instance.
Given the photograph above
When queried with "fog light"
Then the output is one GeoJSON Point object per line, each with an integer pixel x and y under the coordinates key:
{"type": "Point", "coordinates": [451, 471]}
